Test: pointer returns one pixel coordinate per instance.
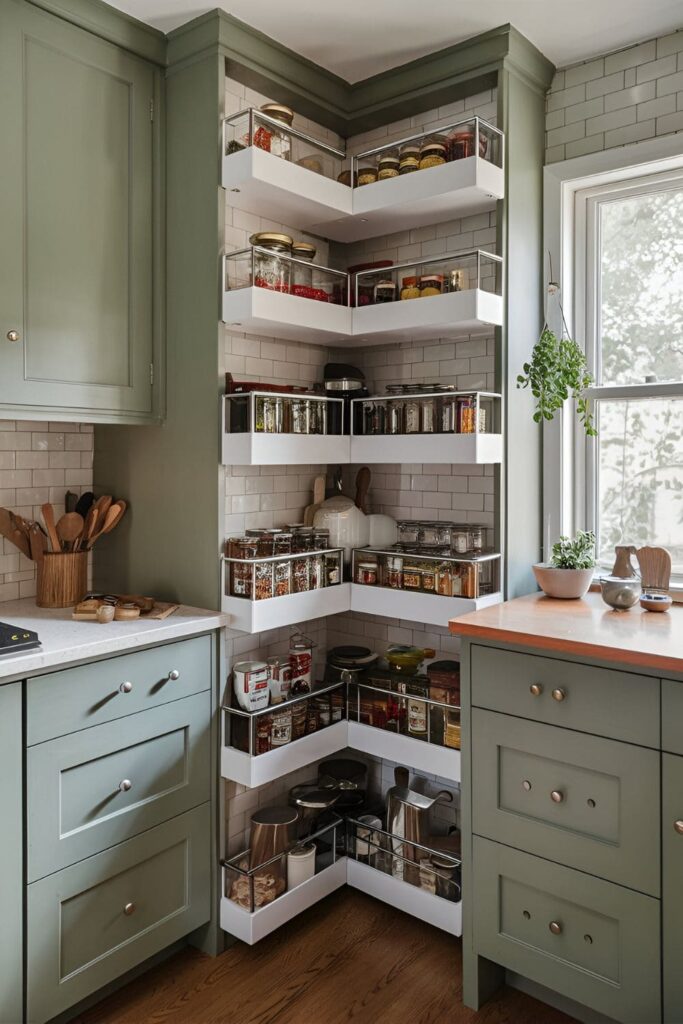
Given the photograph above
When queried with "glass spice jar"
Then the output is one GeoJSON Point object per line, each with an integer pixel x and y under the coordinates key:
{"type": "Point", "coordinates": [367, 175]}
{"type": "Point", "coordinates": [302, 539]}
{"type": "Point", "coordinates": [448, 414]}
{"type": "Point", "coordinates": [301, 416]}
{"type": "Point", "coordinates": [409, 158]}
{"type": "Point", "coordinates": [388, 167]}
{"type": "Point", "coordinates": [412, 416]}
{"type": "Point", "coordinates": [394, 423]}
{"type": "Point", "coordinates": [468, 579]}
{"type": "Point", "coordinates": [410, 288]}
{"type": "Point", "coordinates": [460, 540]}
{"type": "Point", "coordinates": [272, 139]}
{"type": "Point", "coordinates": [321, 539]}
{"type": "Point", "coordinates": [477, 538]}
{"type": "Point", "coordinates": [242, 572]}
{"type": "Point", "coordinates": [457, 281]}
{"type": "Point", "coordinates": [282, 576]}
{"type": "Point", "coordinates": [431, 285]}
{"type": "Point", "coordinates": [444, 584]}
{"type": "Point", "coordinates": [317, 571]}
{"type": "Point", "coordinates": [385, 291]}
{"type": "Point", "coordinates": [302, 273]}
{"type": "Point", "coordinates": [282, 542]}
{"type": "Point", "coordinates": [394, 572]}
{"type": "Point", "coordinates": [429, 575]}
{"type": "Point", "coordinates": [366, 573]}
{"type": "Point", "coordinates": [408, 531]}
{"type": "Point", "coordinates": [318, 417]}
{"type": "Point", "coordinates": [271, 270]}
{"type": "Point", "coordinates": [332, 569]}
{"type": "Point", "coordinates": [299, 713]}
{"type": "Point", "coordinates": [300, 576]}
{"type": "Point", "coordinates": [432, 154]}
{"type": "Point", "coordinates": [428, 415]}
{"type": "Point", "coordinates": [263, 575]}
{"type": "Point", "coordinates": [412, 576]}
{"type": "Point", "coordinates": [263, 734]}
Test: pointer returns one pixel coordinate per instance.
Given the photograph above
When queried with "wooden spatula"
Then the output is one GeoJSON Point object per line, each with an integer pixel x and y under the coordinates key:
{"type": "Point", "coordinates": [318, 498]}
{"type": "Point", "coordinates": [49, 520]}
{"type": "Point", "coordinates": [89, 527]}
{"type": "Point", "coordinates": [112, 518]}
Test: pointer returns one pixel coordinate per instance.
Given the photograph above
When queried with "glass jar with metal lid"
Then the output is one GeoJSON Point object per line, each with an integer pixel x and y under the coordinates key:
{"type": "Point", "coordinates": [367, 175]}
{"type": "Point", "coordinates": [270, 270]}
{"type": "Point", "coordinates": [282, 543]}
{"type": "Point", "coordinates": [274, 140]}
{"type": "Point", "coordinates": [389, 164]}
{"type": "Point", "coordinates": [432, 154]}
{"type": "Point", "coordinates": [431, 284]}
{"type": "Point", "coordinates": [385, 291]}
{"type": "Point", "coordinates": [302, 274]}
{"type": "Point", "coordinates": [409, 158]}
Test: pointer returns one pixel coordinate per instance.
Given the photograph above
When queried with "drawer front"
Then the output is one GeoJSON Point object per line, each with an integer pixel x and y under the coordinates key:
{"type": "Point", "coordinates": [602, 701]}
{"type": "Point", "coordinates": [672, 896]}
{"type": "Point", "coordinates": [78, 698]}
{"type": "Point", "coordinates": [584, 801]}
{"type": "Point", "coordinates": [672, 716]}
{"type": "Point", "coordinates": [588, 939]}
{"type": "Point", "coordinates": [89, 790]}
{"type": "Point", "coordinates": [92, 922]}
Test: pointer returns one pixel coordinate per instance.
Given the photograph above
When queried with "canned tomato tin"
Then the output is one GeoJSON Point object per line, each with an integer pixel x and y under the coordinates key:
{"type": "Point", "coordinates": [251, 684]}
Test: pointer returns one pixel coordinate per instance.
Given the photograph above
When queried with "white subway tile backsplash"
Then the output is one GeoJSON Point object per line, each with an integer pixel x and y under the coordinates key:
{"type": "Point", "coordinates": [631, 57]}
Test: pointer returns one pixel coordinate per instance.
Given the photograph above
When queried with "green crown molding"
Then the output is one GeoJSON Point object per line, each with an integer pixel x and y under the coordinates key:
{"type": "Point", "coordinates": [111, 25]}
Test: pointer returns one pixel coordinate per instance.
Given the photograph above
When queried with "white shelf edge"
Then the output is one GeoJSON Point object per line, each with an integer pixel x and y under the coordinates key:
{"type": "Point", "coordinates": [438, 316]}
{"type": "Point", "coordinates": [274, 314]}
{"type": "Point", "coordinates": [424, 905]}
{"type": "Point", "coordinates": [428, 608]}
{"type": "Point", "coordinates": [257, 616]}
{"type": "Point", "coordinates": [458, 449]}
{"type": "Point", "coordinates": [251, 928]}
{"type": "Point", "coordinates": [417, 754]}
{"type": "Point", "coordinates": [256, 771]}
{"type": "Point", "coordinates": [255, 449]}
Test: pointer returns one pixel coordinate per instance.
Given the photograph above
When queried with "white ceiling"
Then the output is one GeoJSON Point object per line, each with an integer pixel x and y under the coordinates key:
{"type": "Point", "coordinates": [359, 38]}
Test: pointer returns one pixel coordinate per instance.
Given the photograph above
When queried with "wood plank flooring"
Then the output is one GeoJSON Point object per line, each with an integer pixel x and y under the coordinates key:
{"type": "Point", "coordinates": [350, 958]}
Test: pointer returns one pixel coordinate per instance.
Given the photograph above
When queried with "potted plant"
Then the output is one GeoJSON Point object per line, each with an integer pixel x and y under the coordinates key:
{"type": "Point", "coordinates": [569, 573]}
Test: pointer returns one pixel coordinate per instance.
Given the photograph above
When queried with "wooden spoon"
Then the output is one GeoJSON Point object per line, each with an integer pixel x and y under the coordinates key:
{"type": "Point", "coordinates": [318, 499]}
{"type": "Point", "coordinates": [103, 505]}
{"type": "Point", "coordinates": [112, 519]}
{"type": "Point", "coordinates": [38, 542]}
{"type": "Point", "coordinates": [49, 520]}
{"type": "Point", "coordinates": [69, 528]}
{"type": "Point", "coordinates": [91, 520]}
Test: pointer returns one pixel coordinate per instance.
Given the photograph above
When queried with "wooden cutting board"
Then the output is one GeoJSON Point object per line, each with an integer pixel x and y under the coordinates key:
{"type": "Point", "coordinates": [318, 499]}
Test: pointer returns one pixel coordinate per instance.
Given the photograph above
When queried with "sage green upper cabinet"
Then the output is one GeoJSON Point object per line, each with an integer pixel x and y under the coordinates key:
{"type": "Point", "coordinates": [77, 221]}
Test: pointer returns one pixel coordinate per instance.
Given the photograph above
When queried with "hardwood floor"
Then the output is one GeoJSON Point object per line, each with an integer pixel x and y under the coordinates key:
{"type": "Point", "coordinates": [350, 958]}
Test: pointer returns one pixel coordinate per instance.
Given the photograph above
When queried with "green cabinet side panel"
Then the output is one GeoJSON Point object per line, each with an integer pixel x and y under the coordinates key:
{"type": "Point", "coordinates": [11, 846]}
{"type": "Point", "coordinates": [672, 896]}
{"type": "Point", "coordinates": [672, 716]}
{"type": "Point", "coordinates": [76, 209]}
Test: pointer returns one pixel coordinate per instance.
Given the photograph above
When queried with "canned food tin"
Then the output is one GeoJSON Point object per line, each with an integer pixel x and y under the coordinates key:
{"type": "Point", "coordinates": [251, 684]}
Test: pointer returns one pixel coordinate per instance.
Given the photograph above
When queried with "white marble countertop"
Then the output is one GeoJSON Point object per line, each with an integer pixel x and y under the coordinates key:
{"type": "Point", "coordinates": [65, 642]}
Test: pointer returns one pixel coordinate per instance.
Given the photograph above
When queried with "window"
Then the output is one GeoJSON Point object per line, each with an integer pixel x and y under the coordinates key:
{"type": "Point", "coordinates": [628, 310]}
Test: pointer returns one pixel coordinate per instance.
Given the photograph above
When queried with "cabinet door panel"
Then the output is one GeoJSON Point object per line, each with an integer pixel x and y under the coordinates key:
{"type": "Point", "coordinates": [77, 213]}
{"type": "Point", "coordinates": [11, 888]}
{"type": "Point", "coordinates": [672, 901]}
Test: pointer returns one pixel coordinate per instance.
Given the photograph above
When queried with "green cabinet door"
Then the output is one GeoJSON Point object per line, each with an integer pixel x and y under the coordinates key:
{"type": "Point", "coordinates": [11, 879]}
{"type": "Point", "coordinates": [76, 222]}
{"type": "Point", "coordinates": [672, 892]}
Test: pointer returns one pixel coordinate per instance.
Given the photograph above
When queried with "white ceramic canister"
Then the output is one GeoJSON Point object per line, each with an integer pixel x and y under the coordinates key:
{"type": "Point", "coordinates": [251, 684]}
{"type": "Point", "coordinates": [300, 865]}
{"type": "Point", "coordinates": [367, 840]}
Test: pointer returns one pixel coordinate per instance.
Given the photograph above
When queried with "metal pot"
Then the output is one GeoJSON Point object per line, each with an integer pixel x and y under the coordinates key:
{"type": "Point", "coordinates": [619, 593]}
{"type": "Point", "coordinates": [408, 819]}
{"type": "Point", "coordinates": [311, 801]}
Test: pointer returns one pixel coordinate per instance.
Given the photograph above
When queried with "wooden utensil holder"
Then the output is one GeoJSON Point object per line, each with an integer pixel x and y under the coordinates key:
{"type": "Point", "coordinates": [62, 579]}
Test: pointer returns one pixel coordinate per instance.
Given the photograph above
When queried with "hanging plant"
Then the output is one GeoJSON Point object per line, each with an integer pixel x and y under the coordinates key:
{"type": "Point", "coordinates": [558, 369]}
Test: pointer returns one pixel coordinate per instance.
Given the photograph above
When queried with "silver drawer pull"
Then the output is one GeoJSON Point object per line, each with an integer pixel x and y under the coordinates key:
{"type": "Point", "coordinates": [125, 785]}
{"type": "Point", "coordinates": [173, 675]}
{"type": "Point", "coordinates": [555, 927]}
{"type": "Point", "coordinates": [557, 796]}
{"type": "Point", "coordinates": [125, 687]}
{"type": "Point", "coordinates": [678, 827]}
{"type": "Point", "coordinates": [536, 689]}
{"type": "Point", "coordinates": [129, 909]}
{"type": "Point", "coordinates": [559, 694]}
{"type": "Point", "coordinates": [526, 785]}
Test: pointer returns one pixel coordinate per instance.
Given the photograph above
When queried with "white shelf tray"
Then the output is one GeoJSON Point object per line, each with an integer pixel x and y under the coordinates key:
{"type": "Point", "coordinates": [422, 904]}
{"type": "Point", "coordinates": [277, 315]}
{"type": "Point", "coordinates": [285, 449]}
{"type": "Point", "coordinates": [251, 928]}
{"type": "Point", "coordinates": [418, 754]}
{"type": "Point", "coordinates": [441, 316]}
{"type": "Point", "coordinates": [286, 193]}
{"type": "Point", "coordinates": [463, 449]}
{"type": "Point", "coordinates": [282, 191]}
{"type": "Point", "coordinates": [257, 616]}
{"type": "Point", "coordinates": [403, 604]}
{"type": "Point", "coordinates": [256, 771]}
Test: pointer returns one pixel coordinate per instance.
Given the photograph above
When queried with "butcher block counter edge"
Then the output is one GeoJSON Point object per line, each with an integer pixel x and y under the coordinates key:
{"type": "Point", "coordinates": [583, 628]}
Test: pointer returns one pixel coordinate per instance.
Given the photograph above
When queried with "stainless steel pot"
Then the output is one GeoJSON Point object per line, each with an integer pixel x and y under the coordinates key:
{"type": "Point", "coordinates": [408, 822]}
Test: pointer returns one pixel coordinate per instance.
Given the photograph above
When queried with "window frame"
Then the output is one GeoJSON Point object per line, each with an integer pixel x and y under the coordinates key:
{"type": "Point", "coordinates": [573, 190]}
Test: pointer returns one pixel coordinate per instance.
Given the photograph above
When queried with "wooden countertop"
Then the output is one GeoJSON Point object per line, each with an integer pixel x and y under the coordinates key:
{"type": "Point", "coordinates": [652, 640]}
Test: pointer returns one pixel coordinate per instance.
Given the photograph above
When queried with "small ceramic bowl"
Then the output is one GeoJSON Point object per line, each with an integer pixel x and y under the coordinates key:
{"type": "Point", "coordinates": [620, 594]}
{"type": "Point", "coordinates": [656, 602]}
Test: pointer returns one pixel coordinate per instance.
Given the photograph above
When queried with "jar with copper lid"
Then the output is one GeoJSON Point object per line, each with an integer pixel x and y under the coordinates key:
{"type": "Point", "coordinates": [410, 289]}
{"type": "Point", "coordinates": [271, 138]}
{"type": "Point", "coordinates": [432, 154]}
{"type": "Point", "coordinates": [430, 285]}
{"type": "Point", "coordinates": [271, 270]}
{"type": "Point", "coordinates": [409, 158]}
{"type": "Point", "coordinates": [302, 273]}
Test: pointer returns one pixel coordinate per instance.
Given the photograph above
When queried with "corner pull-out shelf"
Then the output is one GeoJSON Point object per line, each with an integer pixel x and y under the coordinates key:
{"type": "Point", "coordinates": [258, 449]}
{"type": "Point", "coordinates": [414, 607]}
{"type": "Point", "coordinates": [278, 315]}
{"type": "Point", "coordinates": [272, 612]}
{"type": "Point", "coordinates": [461, 449]}
{"type": "Point", "coordinates": [443, 914]}
{"type": "Point", "coordinates": [418, 754]}
{"type": "Point", "coordinates": [256, 771]}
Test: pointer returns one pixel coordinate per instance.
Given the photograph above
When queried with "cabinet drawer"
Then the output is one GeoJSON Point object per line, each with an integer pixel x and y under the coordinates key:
{"type": "Point", "coordinates": [91, 789]}
{"type": "Point", "coordinates": [672, 896]}
{"type": "Point", "coordinates": [90, 923]}
{"type": "Point", "coordinates": [602, 701]}
{"type": "Point", "coordinates": [585, 938]}
{"type": "Point", "coordinates": [583, 801]}
{"type": "Point", "coordinates": [77, 698]}
{"type": "Point", "coordinates": [672, 716]}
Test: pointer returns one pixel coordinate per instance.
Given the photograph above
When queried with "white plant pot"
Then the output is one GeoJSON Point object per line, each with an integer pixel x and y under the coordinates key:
{"type": "Point", "coordinates": [563, 583]}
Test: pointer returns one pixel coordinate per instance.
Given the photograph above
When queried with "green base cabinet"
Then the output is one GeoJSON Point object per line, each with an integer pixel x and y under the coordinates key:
{"type": "Point", "coordinates": [11, 888]}
{"type": "Point", "coordinates": [572, 811]}
{"type": "Point", "coordinates": [77, 221]}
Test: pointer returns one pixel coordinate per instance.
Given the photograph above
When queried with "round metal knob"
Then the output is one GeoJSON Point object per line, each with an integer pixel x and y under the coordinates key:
{"type": "Point", "coordinates": [536, 689]}
{"type": "Point", "coordinates": [125, 785]}
{"type": "Point", "coordinates": [13, 335]}
{"type": "Point", "coordinates": [588, 939]}
{"type": "Point", "coordinates": [173, 675]}
{"type": "Point", "coordinates": [126, 687]}
{"type": "Point", "coordinates": [129, 909]}
{"type": "Point", "coordinates": [556, 796]}
{"type": "Point", "coordinates": [590, 802]}
{"type": "Point", "coordinates": [526, 785]}
{"type": "Point", "coordinates": [559, 694]}
{"type": "Point", "coordinates": [678, 826]}
{"type": "Point", "coordinates": [555, 927]}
